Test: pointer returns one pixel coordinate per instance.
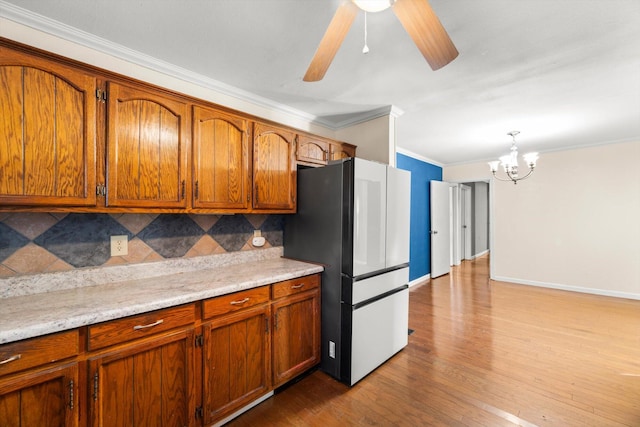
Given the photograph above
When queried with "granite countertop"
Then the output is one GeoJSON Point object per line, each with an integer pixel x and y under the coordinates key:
{"type": "Point", "coordinates": [31, 315]}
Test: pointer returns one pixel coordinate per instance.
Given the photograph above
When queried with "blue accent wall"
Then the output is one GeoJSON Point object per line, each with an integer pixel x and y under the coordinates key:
{"type": "Point", "coordinates": [420, 241]}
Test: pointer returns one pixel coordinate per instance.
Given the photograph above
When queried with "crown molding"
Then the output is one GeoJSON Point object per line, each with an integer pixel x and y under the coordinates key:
{"type": "Point", "coordinates": [66, 32]}
{"type": "Point", "coordinates": [419, 157]}
{"type": "Point", "coordinates": [361, 117]}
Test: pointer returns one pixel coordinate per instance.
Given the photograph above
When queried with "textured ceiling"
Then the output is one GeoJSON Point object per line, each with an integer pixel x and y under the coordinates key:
{"type": "Point", "coordinates": [565, 73]}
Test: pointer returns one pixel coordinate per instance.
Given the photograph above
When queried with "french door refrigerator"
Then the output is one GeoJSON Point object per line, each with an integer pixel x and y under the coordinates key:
{"type": "Point", "coordinates": [353, 217]}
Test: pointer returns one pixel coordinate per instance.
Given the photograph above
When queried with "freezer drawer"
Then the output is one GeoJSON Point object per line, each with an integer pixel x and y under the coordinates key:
{"type": "Point", "coordinates": [379, 330]}
{"type": "Point", "coordinates": [365, 289]}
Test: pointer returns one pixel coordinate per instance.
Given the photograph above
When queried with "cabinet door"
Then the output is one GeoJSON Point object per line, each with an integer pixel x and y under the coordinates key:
{"type": "Point", "coordinates": [236, 361]}
{"type": "Point", "coordinates": [312, 150]}
{"type": "Point", "coordinates": [221, 160]}
{"type": "Point", "coordinates": [145, 384]}
{"type": "Point", "coordinates": [147, 149]}
{"type": "Point", "coordinates": [47, 132]}
{"type": "Point", "coordinates": [296, 335]}
{"type": "Point", "coordinates": [274, 177]}
{"type": "Point", "coordinates": [342, 151]}
{"type": "Point", "coordinates": [46, 398]}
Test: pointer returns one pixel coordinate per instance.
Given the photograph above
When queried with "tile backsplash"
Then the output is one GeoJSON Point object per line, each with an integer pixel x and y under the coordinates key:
{"type": "Point", "coordinates": [44, 242]}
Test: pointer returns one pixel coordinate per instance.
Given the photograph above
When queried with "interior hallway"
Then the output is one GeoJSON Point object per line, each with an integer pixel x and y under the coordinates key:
{"type": "Point", "coordinates": [486, 353]}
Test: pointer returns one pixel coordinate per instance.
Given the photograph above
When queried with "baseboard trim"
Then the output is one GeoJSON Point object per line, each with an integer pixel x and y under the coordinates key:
{"type": "Point", "coordinates": [419, 280]}
{"type": "Point", "coordinates": [563, 287]}
{"type": "Point", "coordinates": [478, 255]}
{"type": "Point", "coordinates": [243, 409]}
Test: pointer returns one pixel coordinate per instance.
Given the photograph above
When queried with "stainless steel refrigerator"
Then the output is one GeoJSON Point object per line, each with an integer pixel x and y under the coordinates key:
{"type": "Point", "coordinates": [353, 217]}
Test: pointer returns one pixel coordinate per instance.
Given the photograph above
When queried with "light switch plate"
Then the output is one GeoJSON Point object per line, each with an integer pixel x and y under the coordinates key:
{"type": "Point", "coordinates": [119, 245]}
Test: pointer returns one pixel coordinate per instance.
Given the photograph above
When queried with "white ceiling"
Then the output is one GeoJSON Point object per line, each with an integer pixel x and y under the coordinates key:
{"type": "Point", "coordinates": [565, 73]}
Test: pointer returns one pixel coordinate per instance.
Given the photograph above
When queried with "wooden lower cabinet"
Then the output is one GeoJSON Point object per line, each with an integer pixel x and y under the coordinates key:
{"type": "Point", "coordinates": [296, 330]}
{"type": "Point", "coordinates": [44, 398]}
{"type": "Point", "coordinates": [149, 383]}
{"type": "Point", "coordinates": [236, 361]}
{"type": "Point", "coordinates": [165, 368]}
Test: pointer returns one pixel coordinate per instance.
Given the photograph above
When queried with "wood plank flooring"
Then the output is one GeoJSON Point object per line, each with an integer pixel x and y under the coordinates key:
{"type": "Point", "coordinates": [486, 353]}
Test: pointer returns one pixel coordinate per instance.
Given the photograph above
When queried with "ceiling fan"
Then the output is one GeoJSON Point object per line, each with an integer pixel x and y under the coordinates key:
{"type": "Point", "coordinates": [416, 16]}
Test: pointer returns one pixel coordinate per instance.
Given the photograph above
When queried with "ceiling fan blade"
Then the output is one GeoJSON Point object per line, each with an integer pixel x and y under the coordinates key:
{"type": "Point", "coordinates": [331, 41]}
{"type": "Point", "coordinates": [424, 27]}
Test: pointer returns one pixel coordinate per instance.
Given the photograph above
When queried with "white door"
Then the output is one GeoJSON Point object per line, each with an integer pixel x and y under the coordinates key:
{"type": "Point", "coordinates": [398, 216]}
{"type": "Point", "coordinates": [369, 222]}
{"type": "Point", "coordinates": [440, 233]}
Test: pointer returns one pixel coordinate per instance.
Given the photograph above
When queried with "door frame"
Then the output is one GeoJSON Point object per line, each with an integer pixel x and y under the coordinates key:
{"type": "Point", "coordinates": [490, 182]}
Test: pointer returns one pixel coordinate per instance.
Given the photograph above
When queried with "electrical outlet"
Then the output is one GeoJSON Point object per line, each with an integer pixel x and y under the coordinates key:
{"type": "Point", "coordinates": [119, 245]}
{"type": "Point", "coordinates": [332, 349]}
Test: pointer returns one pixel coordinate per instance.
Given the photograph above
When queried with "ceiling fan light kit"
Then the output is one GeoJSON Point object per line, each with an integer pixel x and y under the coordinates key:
{"type": "Point", "coordinates": [373, 5]}
{"type": "Point", "coordinates": [510, 162]}
{"type": "Point", "coordinates": [416, 16]}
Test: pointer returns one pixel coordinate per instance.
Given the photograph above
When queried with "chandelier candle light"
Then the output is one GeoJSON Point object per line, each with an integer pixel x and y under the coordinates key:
{"type": "Point", "coordinates": [510, 162]}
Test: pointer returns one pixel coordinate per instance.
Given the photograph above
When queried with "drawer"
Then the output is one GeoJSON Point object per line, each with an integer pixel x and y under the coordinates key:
{"type": "Point", "coordinates": [235, 301]}
{"type": "Point", "coordinates": [294, 286]}
{"type": "Point", "coordinates": [139, 326]}
{"type": "Point", "coordinates": [21, 355]}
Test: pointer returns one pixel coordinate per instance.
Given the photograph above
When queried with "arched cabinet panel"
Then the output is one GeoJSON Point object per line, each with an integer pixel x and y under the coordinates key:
{"type": "Point", "coordinates": [147, 148]}
{"type": "Point", "coordinates": [47, 132]}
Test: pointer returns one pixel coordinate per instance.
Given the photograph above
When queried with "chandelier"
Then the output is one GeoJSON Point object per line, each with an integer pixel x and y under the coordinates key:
{"type": "Point", "coordinates": [510, 162]}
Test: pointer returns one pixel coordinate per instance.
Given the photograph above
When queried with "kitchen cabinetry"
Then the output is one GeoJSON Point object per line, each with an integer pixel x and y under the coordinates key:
{"type": "Point", "coordinates": [315, 151]}
{"type": "Point", "coordinates": [296, 327]}
{"type": "Point", "coordinates": [274, 171]}
{"type": "Point", "coordinates": [147, 144]}
{"type": "Point", "coordinates": [187, 365]}
{"type": "Point", "coordinates": [236, 351]}
{"type": "Point", "coordinates": [342, 150]}
{"type": "Point", "coordinates": [312, 150]}
{"type": "Point", "coordinates": [145, 376]}
{"type": "Point", "coordinates": [221, 174]}
{"type": "Point", "coordinates": [47, 132]}
{"type": "Point", "coordinates": [39, 381]}
{"type": "Point", "coordinates": [78, 138]}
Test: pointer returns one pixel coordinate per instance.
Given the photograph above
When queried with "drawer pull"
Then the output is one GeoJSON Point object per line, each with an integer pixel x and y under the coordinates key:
{"type": "Point", "coordinates": [11, 359]}
{"type": "Point", "coordinates": [300, 286]}
{"type": "Point", "coordinates": [240, 302]}
{"type": "Point", "coordinates": [150, 325]}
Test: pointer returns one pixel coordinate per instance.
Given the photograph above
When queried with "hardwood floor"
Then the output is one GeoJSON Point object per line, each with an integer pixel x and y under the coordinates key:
{"type": "Point", "coordinates": [486, 353]}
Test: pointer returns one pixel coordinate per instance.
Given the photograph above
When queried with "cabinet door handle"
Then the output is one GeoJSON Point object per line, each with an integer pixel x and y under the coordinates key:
{"type": "Point", "coordinates": [184, 189]}
{"type": "Point", "coordinates": [299, 286]}
{"type": "Point", "coordinates": [150, 325]}
{"type": "Point", "coordinates": [71, 396]}
{"type": "Point", "coordinates": [239, 302]}
{"type": "Point", "coordinates": [11, 359]}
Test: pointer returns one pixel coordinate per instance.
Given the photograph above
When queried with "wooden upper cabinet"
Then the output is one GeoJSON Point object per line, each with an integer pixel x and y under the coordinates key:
{"type": "Point", "coordinates": [221, 174]}
{"type": "Point", "coordinates": [312, 150]}
{"type": "Point", "coordinates": [274, 171]}
{"type": "Point", "coordinates": [342, 150]}
{"type": "Point", "coordinates": [147, 147]}
{"type": "Point", "coordinates": [47, 132]}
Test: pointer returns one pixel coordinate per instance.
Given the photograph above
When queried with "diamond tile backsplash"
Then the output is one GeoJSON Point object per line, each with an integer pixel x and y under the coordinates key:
{"type": "Point", "coordinates": [44, 242]}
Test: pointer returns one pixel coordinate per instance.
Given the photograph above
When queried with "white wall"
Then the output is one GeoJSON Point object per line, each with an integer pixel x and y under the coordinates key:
{"type": "Point", "coordinates": [373, 138]}
{"type": "Point", "coordinates": [572, 225]}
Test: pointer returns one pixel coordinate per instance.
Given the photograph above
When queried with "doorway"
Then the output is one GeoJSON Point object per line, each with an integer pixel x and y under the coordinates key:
{"type": "Point", "coordinates": [466, 211]}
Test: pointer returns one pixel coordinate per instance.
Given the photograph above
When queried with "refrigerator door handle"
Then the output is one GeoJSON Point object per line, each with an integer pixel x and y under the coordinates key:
{"type": "Point", "coordinates": [379, 297]}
